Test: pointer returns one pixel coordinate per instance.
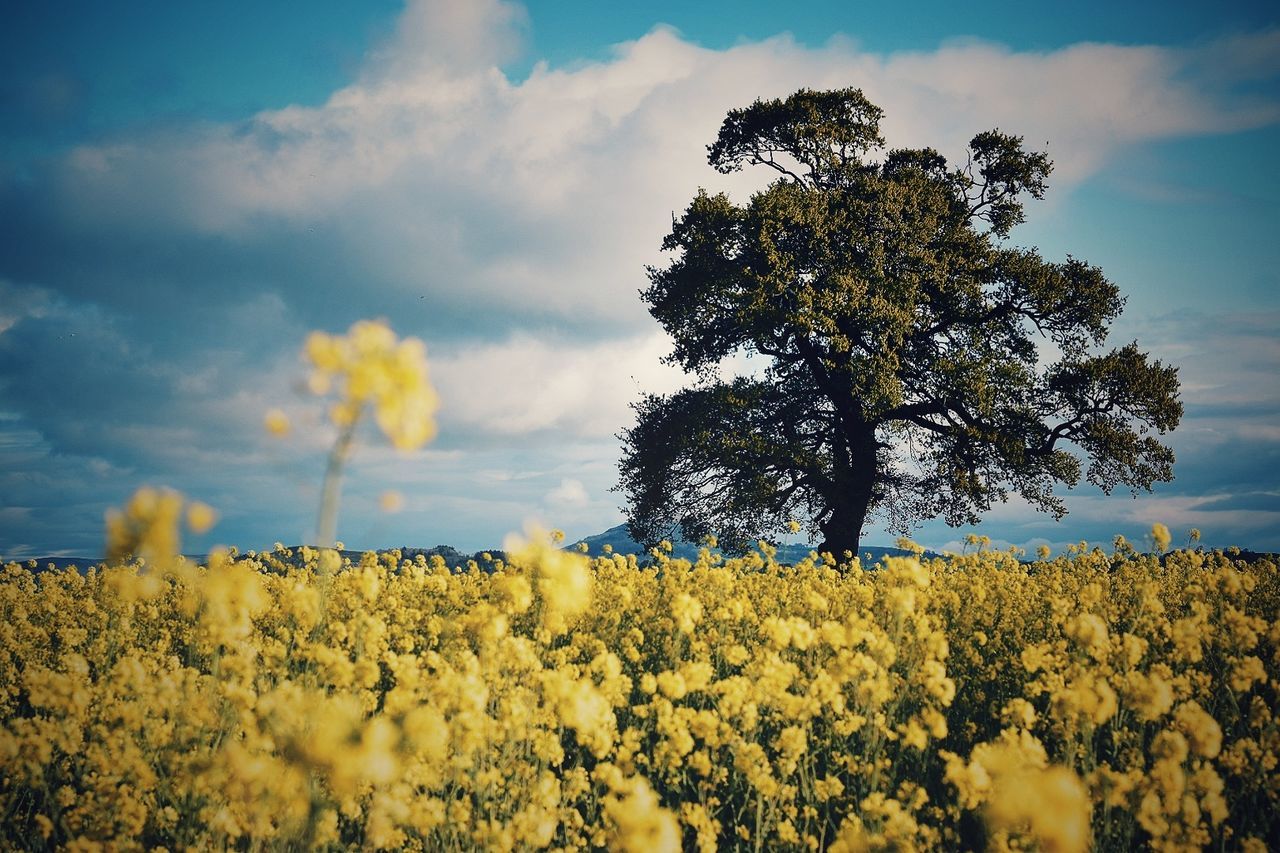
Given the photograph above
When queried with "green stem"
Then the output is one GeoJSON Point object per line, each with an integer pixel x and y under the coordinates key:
{"type": "Point", "coordinates": [327, 522]}
{"type": "Point", "coordinates": [759, 834]}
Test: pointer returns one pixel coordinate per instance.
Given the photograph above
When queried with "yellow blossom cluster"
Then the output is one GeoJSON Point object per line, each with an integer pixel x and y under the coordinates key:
{"type": "Point", "coordinates": [1152, 679]}
{"type": "Point", "coordinates": [149, 527]}
{"type": "Point", "coordinates": [369, 366]}
{"type": "Point", "coordinates": [546, 700]}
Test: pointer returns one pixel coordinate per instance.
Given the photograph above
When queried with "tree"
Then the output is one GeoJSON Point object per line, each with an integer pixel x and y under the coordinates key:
{"type": "Point", "coordinates": [916, 363]}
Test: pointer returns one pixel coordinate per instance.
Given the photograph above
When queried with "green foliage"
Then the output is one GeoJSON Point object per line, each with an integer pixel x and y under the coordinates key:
{"type": "Point", "coordinates": [902, 337]}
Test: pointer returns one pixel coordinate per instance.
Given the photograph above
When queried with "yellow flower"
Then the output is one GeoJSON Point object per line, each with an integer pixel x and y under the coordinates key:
{"type": "Point", "coordinates": [1160, 537]}
{"type": "Point", "coordinates": [687, 611]}
{"type": "Point", "coordinates": [1019, 713]}
{"type": "Point", "coordinates": [370, 367]}
{"type": "Point", "coordinates": [582, 707]}
{"type": "Point", "coordinates": [149, 527]}
{"type": "Point", "coordinates": [641, 824]}
{"type": "Point", "coordinates": [1246, 672]}
{"type": "Point", "coordinates": [391, 501]}
{"type": "Point", "coordinates": [1201, 729]}
{"type": "Point", "coordinates": [563, 578]}
{"type": "Point", "coordinates": [277, 422]}
{"type": "Point", "coordinates": [1022, 795]}
{"type": "Point", "coordinates": [1150, 695]}
{"type": "Point", "coordinates": [1090, 632]}
{"type": "Point", "coordinates": [201, 517]}
{"type": "Point", "coordinates": [1050, 805]}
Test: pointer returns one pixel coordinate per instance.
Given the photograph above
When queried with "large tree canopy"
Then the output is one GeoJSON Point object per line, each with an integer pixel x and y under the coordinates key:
{"type": "Point", "coordinates": [916, 363]}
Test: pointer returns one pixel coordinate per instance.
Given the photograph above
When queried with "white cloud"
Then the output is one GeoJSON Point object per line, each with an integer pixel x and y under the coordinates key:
{"type": "Point", "coordinates": [451, 35]}
{"type": "Point", "coordinates": [18, 303]}
{"type": "Point", "coordinates": [437, 174]}
{"type": "Point", "coordinates": [529, 384]}
{"type": "Point", "coordinates": [570, 492]}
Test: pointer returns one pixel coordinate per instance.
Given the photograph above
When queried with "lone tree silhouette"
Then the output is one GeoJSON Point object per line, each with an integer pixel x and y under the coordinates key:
{"type": "Point", "coordinates": [899, 329]}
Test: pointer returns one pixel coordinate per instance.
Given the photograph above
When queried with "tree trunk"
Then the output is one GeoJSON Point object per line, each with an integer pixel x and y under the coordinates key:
{"type": "Point", "coordinates": [853, 471]}
{"type": "Point", "coordinates": [843, 530]}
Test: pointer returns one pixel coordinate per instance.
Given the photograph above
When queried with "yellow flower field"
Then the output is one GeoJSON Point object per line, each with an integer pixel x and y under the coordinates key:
{"type": "Point", "coordinates": [1102, 700]}
{"type": "Point", "coordinates": [292, 700]}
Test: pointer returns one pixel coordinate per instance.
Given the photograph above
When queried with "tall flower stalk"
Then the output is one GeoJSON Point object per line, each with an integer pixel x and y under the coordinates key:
{"type": "Point", "coordinates": [331, 491]}
{"type": "Point", "coordinates": [368, 369]}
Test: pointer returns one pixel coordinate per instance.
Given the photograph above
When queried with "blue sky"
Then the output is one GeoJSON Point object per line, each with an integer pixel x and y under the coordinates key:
{"type": "Point", "coordinates": [188, 189]}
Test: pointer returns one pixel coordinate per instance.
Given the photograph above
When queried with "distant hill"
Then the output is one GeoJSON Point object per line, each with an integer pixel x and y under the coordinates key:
{"type": "Point", "coordinates": [615, 536]}
{"type": "Point", "coordinates": [452, 558]}
{"type": "Point", "coordinates": [44, 564]}
{"type": "Point", "coordinates": [622, 543]}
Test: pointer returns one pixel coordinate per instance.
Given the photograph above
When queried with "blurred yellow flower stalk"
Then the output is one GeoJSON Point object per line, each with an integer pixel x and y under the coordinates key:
{"type": "Point", "coordinates": [367, 369]}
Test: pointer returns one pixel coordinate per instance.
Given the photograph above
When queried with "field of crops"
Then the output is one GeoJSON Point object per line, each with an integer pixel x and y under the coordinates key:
{"type": "Point", "coordinates": [1104, 699]}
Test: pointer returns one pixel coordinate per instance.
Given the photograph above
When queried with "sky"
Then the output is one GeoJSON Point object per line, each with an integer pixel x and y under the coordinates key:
{"type": "Point", "coordinates": [188, 189]}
